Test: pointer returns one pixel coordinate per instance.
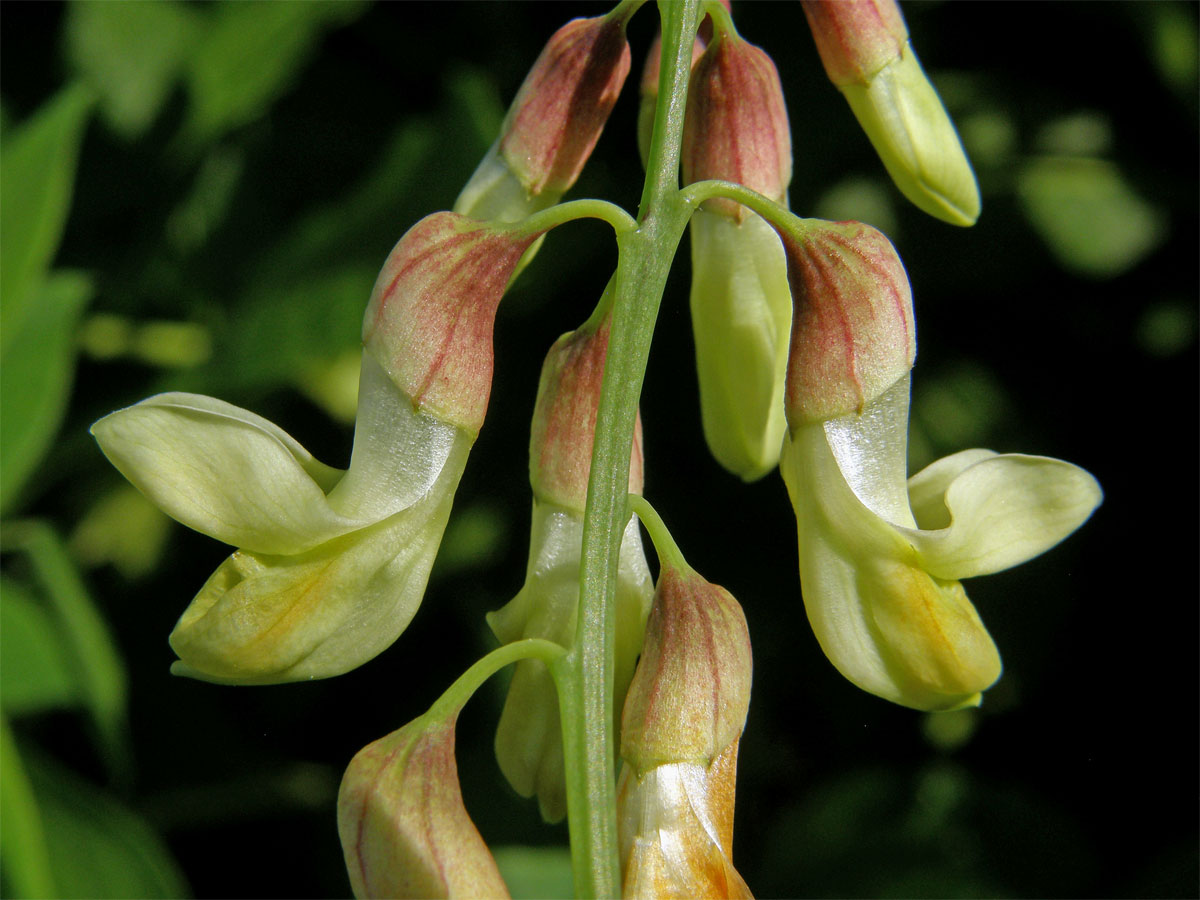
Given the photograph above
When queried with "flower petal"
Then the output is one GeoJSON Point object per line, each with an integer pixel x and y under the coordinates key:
{"type": "Point", "coordinates": [927, 489]}
{"type": "Point", "coordinates": [1003, 510]}
{"type": "Point", "coordinates": [265, 619]}
{"type": "Point", "coordinates": [884, 622]}
{"type": "Point", "coordinates": [224, 472]}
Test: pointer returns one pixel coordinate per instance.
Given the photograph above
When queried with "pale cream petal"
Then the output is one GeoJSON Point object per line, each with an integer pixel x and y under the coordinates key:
{"type": "Point", "coordinates": [1005, 510]}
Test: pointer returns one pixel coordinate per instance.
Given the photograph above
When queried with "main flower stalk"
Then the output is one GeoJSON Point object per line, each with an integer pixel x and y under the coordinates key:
{"type": "Point", "coordinates": [587, 670]}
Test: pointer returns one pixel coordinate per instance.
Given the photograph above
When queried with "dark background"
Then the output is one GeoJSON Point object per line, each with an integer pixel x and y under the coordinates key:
{"type": "Point", "coordinates": [1063, 324]}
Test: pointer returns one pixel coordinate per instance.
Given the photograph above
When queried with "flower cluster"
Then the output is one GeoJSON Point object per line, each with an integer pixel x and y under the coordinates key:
{"type": "Point", "coordinates": [805, 341]}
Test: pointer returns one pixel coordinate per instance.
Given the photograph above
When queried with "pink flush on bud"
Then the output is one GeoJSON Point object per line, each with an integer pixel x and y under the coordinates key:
{"type": "Point", "coordinates": [430, 318]}
{"type": "Point", "coordinates": [564, 102]}
{"type": "Point", "coordinates": [853, 333]}
{"type": "Point", "coordinates": [691, 691]}
{"type": "Point", "coordinates": [736, 127]}
{"type": "Point", "coordinates": [856, 38]}
{"type": "Point", "coordinates": [402, 823]}
{"type": "Point", "coordinates": [564, 418]}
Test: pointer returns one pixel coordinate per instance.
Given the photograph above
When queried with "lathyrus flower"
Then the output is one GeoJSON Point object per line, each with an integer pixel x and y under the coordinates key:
{"type": "Point", "coordinates": [529, 737]}
{"type": "Point", "coordinates": [867, 54]}
{"type": "Point", "coordinates": [736, 129]}
{"type": "Point", "coordinates": [554, 122]}
{"type": "Point", "coordinates": [404, 829]}
{"type": "Point", "coordinates": [881, 557]}
{"type": "Point", "coordinates": [683, 718]}
{"type": "Point", "coordinates": [331, 565]}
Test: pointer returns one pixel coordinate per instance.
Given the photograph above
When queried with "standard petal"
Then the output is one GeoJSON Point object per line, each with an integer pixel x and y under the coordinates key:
{"type": "Point", "coordinates": [1003, 511]}
{"type": "Point", "coordinates": [224, 472]}
{"type": "Point", "coordinates": [927, 489]}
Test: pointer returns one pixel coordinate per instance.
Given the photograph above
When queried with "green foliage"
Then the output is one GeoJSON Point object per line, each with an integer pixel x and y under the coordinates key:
{"type": "Point", "coordinates": [535, 873]}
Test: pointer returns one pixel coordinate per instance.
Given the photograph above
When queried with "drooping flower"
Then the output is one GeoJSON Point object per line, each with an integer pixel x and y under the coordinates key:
{"type": "Point", "coordinates": [736, 129]}
{"type": "Point", "coordinates": [881, 557]}
{"type": "Point", "coordinates": [867, 54]}
{"type": "Point", "coordinates": [529, 737]}
{"type": "Point", "coordinates": [404, 829]}
{"type": "Point", "coordinates": [331, 565]}
{"type": "Point", "coordinates": [680, 727]}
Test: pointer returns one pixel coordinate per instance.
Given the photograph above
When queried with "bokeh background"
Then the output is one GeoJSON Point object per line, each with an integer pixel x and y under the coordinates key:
{"type": "Point", "coordinates": [198, 196]}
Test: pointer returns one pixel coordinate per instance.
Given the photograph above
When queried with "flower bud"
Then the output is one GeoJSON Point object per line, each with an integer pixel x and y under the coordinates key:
{"type": "Point", "coordinates": [690, 693]}
{"type": "Point", "coordinates": [553, 124]}
{"type": "Point", "coordinates": [529, 738]}
{"type": "Point", "coordinates": [680, 728]}
{"type": "Point", "coordinates": [402, 823]}
{"type": "Point", "coordinates": [564, 418]}
{"type": "Point", "coordinates": [853, 334]}
{"type": "Point", "coordinates": [431, 314]}
{"type": "Point", "coordinates": [856, 38]}
{"type": "Point", "coordinates": [737, 130]}
{"type": "Point", "coordinates": [736, 127]}
{"type": "Point", "coordinates": [865, 48]}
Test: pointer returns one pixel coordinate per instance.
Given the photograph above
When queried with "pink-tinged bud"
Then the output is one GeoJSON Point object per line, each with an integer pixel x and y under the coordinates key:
{"type": "Point", "coordinates": [431, 314]}
{"type": "Point", "coordinates": [865, 48]}
{"type": "Point", "coordinates": [690, 693]}
{"type": "Point", "coordinates": [853, 333]}
{"type": "Point", "coordinates": [564, 419]}
{"type": "Point", "coordinates": [736, 127]}
{"type": "Point", "coordinates": [856, 38]}
{"type": "Point", "coordinates": [403, 826]}
{"type": "Point", "coordinates": [564, 102]}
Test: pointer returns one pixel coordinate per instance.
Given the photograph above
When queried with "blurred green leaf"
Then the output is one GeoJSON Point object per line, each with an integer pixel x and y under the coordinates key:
{"type": "Point", "coordinates": [38, 365]}
{"type": "Point", "coordinates": [1167, 327]}
{"type": "Point", "coordinates": [122, 528]}
{"type": "Point", "coordinates": [536, 873]}
{"type": "Point", "coordinates": [27, 871]}
{"type": "Point", "coordinates": [131, 54]}
{"type": "Point", "coordinates": [249, 57]}
{"type": "Point", "coordinates": [209, 202]}
{"type": "Point", "coordinates": [85, 637]}
{"type": "Point", "coordinates": [98, 847]}
{"type": "Point", "coordinates": [37, 173]}
{"type": "Point", "coordinates": [476, 536]}
{"type": "Point", "coordinates": [301, 323]}
{"type": "Point", "coordinates": [1090, 217]}
{"type": "Point", "coordinates": [35, 674]}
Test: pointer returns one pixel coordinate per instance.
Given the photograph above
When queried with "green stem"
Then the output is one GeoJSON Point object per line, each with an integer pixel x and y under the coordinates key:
{"type": "Point", "coordinates": [455, 697]}
{"type": "Point", "coordinates": [696, 193]}
{"type": "Point", "coordinates": [586, 679]}
{"type": "Point", "coordinates": [669, 554]}
{"type": "Point", "coordinates": [587, 208]}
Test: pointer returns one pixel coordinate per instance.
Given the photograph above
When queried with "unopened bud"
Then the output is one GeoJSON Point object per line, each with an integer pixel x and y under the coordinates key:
{"type": "Point", "coordinates": [403, 826]}
{"type": "Point", "coordinates": [736, 128]}
{"type": "Point", "coordinates": [553, 124]}
{"type": "Point", "coordinates": [690, 693]}
{"type": "Point", "coordinates": [865, 48]}
{"type": "Point", "coordinates": [430, 319]}
{"type": "Point", "coordinates": [856, 38]}
{"type": "Point", "coordinates": [564, 418]}
{"type": "Point", "coordinates": [853, 333]}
